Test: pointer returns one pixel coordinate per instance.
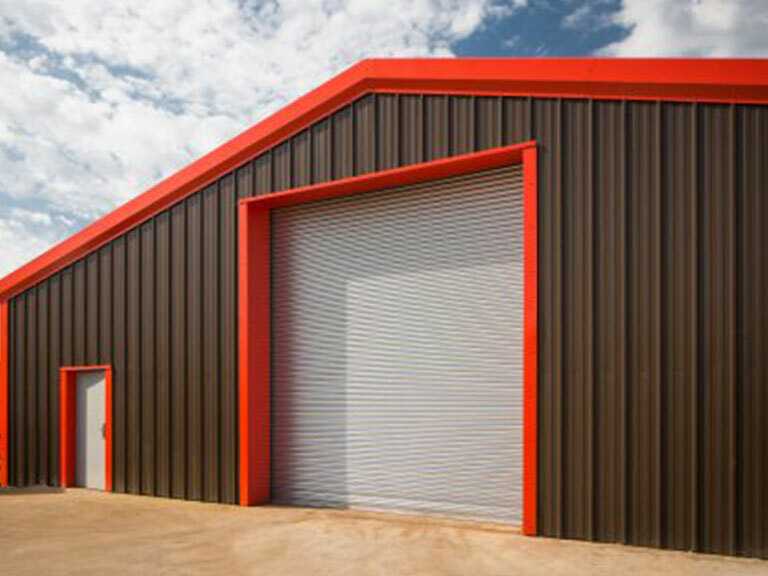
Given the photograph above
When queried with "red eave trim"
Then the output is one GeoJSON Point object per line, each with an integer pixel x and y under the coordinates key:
{"type": "Point", "coordinates": [674, 79]}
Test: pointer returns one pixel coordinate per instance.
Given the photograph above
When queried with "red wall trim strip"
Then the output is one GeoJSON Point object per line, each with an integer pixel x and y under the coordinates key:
{"type": "Point", "coordinates": [669, 79]}
{"type": "Point", "coordinates": [254, 345]}
{"type": "Point", "coordinates": [68, 423]}
{"type": "Point", "coordinates": [530, 362]}
{"type": "Point", "coordinates": [4, 376]}
{"type": "Point", "coordinates": [254, 249]}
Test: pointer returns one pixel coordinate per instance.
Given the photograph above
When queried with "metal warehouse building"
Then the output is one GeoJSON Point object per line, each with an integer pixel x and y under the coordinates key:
{"type": "Point", "coordinates": [521, 291]}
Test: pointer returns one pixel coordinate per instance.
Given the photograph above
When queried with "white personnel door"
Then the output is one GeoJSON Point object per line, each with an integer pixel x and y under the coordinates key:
{"type": "Point", "coordinates": [91, 421]}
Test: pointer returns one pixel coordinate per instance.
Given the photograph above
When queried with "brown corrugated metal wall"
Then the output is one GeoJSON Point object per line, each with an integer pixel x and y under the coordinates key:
{"type": "Point", "coordinates": [653, 345]}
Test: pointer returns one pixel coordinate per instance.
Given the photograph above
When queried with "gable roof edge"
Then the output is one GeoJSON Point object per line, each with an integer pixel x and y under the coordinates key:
{"type": "Point", "coordinates": [726, 81]}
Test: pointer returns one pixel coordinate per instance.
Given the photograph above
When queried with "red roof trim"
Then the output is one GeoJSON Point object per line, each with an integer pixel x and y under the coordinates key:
{"type": "Point", "coordinates": [676, 79]}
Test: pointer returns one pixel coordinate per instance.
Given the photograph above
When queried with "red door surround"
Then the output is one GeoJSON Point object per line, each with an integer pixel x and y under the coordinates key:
{"type": "Point", "coordinates": [68, 423]}
{"type": "Point", "coordinates": [254, 304]}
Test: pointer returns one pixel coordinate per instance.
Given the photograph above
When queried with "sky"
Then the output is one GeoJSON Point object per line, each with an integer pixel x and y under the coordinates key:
{"type": "Point", "coordinates": [99, 101]}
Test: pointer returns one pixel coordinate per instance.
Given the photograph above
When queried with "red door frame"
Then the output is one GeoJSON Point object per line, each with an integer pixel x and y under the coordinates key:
{"type": "Point", "coordinates": [254, 300]}
{"type": "Point", "coordinates": [68, 423]}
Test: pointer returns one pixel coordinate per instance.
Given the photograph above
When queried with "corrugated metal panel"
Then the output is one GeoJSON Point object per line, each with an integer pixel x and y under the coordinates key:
{"type": "Point", "coordinates": [343, 137]}
{"type": "Point", "coordinates": [43, 332]}
{"type": "Point", "coordinates": [228, 342]}
{"type": "Point", "coordinates": [211, 362]}
{"type": "Point", "coordinates": [462, 125]}
{"type": "Point", "coordinates": [322, 151]}
{"type": "Point", "coordinates": [147, 350]}
{"type": "Point", "coordinates": [388, 130]}
{"type": "Point", "coordinates": [436, 127]}
{"type": "Point", "coordinates": [411, 129]}
{"type": "Point", "coordinates": [281, 167]}
{"type": "Point", "coordinates": [578, 334]}
{"type": "Point", "coordinates": [679, 317]}
{"type": "Point", "coordinates": [301, 167]}
{"type": "Point", "coordinates": [178, 351]}
{"type": "Point", "coordinates": [550, 381]}
{"type": "Point", "coordinates": [120, 372]}
{"type": "Point", "coordinates": [610, 326]}
{"type": "Point", "coordinates": [30, 402]}
{"type": "Point", "coordinates": [489, 122]}
{"type": "Point", "coordinates": [133, 363]}
{"type": "Point", "coordinates": [353, 276]}
{"type": "Point", "coordinates": [162, 381]}
{"type": "Point", "coordinates": [194, 338]}
{"type": "Point", "coordinates": [92, 309]}
{"type": "Point", "coordinates": [53, 378]}
{"type": "Point", "coordinates": [365, 134]}
{"type": "Point", "coordinates": [677, 446]}
{"type": "Point", "coordinates": [752, 174]}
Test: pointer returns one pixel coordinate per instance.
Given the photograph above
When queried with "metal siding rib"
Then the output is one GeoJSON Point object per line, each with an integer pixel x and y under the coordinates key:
{"type": "Point", "coordinates": [365, 134]}
{"type": "Point", "coordinates": [436, 127]}
{"type": "Point", "coordinates": [301, 159]}
{"type": "Point", "coordinates": [18, 423]}
{"type": "Point", "coordinates": [577, 329]}
{"type": "Point", "coordinates": [488, 111]}
{"type": "Point", "coordinates": [343, 138]}
{"type": "Point", "coordinates": [163, 297]}
{"type": "Point", "coordinates": [387, 131]}
{"type": "Point", "coordinates": [228, 340]}
{"type": "Point", "coordinates": [194, 338]}
{"type": "Point", "coordinates": [322, 151]}
{"type": "Point", "coordinates": [178, 281]}
{"type": "Point", "coordinates": [42, 347]}
{"type": "Point", "coordinates": [53, 377]}
{"type": "Point", "coordinates": [211, 341]}
{"type": "Point", "coordinates": [133, 363]}
{"type": "Point", "coordinates": [411, 129]}
{"type": "Point", "coordinates": [120, 375]}
{"type": "Point", "coordinates": [30, 385]}
{"type": "Point", "coordinates": [92, 309]}
{"type": "Point", "coordinates": [147, 372]}
{"type": "Point", "coordinates": [610, 321]}
{"type": "Point", "coordinates": [282, 166]}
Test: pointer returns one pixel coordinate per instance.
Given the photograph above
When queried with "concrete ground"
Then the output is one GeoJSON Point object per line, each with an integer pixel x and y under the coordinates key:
{"type": "Point", "coordinates": [47, 532]}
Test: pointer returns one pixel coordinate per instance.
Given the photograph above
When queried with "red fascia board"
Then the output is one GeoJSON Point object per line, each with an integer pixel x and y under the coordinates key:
{"type": "Point", "coordinates": [737, 80]}
{"type": "Point", "coordinates": [413, 174]}
{"type": "Point", "coordinates": [703, 80]}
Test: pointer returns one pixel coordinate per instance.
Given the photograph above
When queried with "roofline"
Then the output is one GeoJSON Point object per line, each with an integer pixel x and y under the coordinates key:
{"type": "Point", "coordinates": [690, 80]}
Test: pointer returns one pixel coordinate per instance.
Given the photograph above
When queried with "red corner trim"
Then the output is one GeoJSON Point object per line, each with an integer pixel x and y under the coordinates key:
{"type": "Point", "coordinates": [670, 79]}
{"type": "Point", "coordinates": [254, 301]}
{"type": "Point", "coordinates": [68, 423]}
{"type": "Point", "coordinates": [4, 376]}
{"type": "Point", "coordinates": [530, 385]}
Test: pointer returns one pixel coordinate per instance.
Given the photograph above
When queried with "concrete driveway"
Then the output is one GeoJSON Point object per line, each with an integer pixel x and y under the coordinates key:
{"type": "Point", "coordinates": [46, 532]}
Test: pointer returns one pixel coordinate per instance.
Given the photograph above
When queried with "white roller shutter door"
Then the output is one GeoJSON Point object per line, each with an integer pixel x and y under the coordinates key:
{"type": "Point", "coordinates": [397, 369]}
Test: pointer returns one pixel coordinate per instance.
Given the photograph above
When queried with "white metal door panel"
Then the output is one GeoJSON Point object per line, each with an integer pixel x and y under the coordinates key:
{"type": "Point", "coordinates": [91, 419]}
{"type": "Point", "coordinates": [398, 351]}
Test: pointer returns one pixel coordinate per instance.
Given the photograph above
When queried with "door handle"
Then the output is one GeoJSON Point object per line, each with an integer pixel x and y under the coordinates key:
{"type": "Point", "coordinates": [103, 430]}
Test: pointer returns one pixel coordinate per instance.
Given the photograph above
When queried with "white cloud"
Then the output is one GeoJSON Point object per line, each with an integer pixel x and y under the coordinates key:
{"type": "Point", "coordinates": [100, 100]}
{"type": "Point", "coordinates": [692, 28]}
